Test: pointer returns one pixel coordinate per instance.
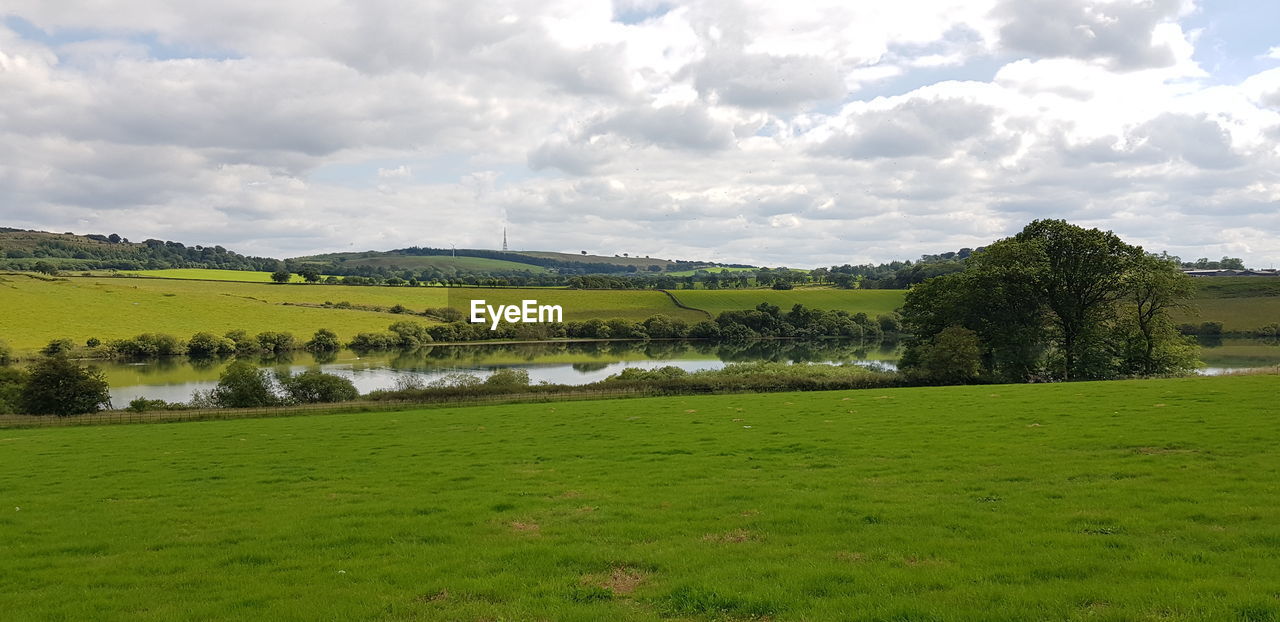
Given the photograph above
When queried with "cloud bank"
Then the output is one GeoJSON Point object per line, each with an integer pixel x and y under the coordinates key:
{"type": "Point", "coordinates": [796, 134]}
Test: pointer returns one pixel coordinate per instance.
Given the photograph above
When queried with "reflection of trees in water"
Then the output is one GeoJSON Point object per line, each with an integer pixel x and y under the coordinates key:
{"type": "Point", "coordinates": [589, 356]}
{"type": "Point", "coordinates": [783, 351]}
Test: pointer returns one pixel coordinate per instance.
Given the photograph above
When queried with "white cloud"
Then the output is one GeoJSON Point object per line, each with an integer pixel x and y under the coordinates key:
{"type": "Point", "coordinates": [780, 133]}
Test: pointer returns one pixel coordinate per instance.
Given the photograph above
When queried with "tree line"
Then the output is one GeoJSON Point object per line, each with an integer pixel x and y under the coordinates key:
{"type": "Point", "coordinates": [1054, 302]}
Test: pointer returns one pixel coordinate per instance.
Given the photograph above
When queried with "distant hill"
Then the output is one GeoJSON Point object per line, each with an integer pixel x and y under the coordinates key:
{"type": "Point", "coordinates": [447, 261]}
{"type": "Point", "coordinates": [35, 250]}
{"type": "Point", "coordinates": [415, 263]}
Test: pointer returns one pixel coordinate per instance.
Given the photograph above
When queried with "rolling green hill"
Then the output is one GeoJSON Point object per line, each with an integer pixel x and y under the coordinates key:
{"type": "Point", "coordinates": [639, 262]}
{"type": "Point", "coordinates": [1132, 500]}
{"type": "Point", "coordinates": [870, 301]}
{"type": "Point", "coordinates": [421, 262]}
{"type": "Point", "coordinates": [203, 274]}
{"type": "Point", "coordinates": [25, 250]}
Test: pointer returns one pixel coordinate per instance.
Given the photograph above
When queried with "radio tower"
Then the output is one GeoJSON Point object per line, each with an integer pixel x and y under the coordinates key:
{"type": "Point", "coordinates": [504, 239]}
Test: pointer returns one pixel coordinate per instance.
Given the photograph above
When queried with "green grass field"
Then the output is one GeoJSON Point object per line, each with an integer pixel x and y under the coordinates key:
{"type": "Point", "coordinates": [712, 270]}
{"type": "Point", "coordinates": [1236, 314]}
{"type": "Point", "coordinates": [1236, 287]}
{"type": "Point", "coordinates": [1136, 500]}
{"type": "Point", "coordinates": [111, 308]}
{"type": "Point", "coordinates": [869, 301]}
{"type": "Point", "coordinates": [210, 275]}
{"type": "Point", "coordinates": [641, 262]}
{"type": "Point", "coordinates": [422, 262]}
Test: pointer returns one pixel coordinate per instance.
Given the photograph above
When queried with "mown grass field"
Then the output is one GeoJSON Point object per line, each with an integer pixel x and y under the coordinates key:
{"type": "Point", "coordinates": [78, 308]}
{"type": "Point", "coordinates": [108, 308]}
{"type": "Point", "coordinates": [869, 301]}
{"type": "Point", "coordinates": [1086, 501]}
{"type": "Point", "coordinates": [1240, 314]}
{"type": "Point", "coordinates": [210, 275]}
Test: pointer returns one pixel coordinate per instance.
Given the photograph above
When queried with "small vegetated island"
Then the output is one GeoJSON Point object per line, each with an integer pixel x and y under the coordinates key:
{"type": "Point", "coordinates": [1026, 489]}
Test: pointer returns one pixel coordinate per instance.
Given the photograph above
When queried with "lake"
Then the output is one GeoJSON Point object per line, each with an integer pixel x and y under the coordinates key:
{"type": "Point", "coordinates": [175, 378]}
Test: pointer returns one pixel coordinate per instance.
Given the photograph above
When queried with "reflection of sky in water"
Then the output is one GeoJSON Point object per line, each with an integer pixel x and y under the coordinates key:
{"type": "Point", "coordinates": [148, 379]}
{"type": "Point", "coordinates": [175, 379]}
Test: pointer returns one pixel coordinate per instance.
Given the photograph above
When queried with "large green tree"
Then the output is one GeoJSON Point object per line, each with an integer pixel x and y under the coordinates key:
{"type": "Point", "coordinates": [56, 385]}
{"type": "Point", "coordinates": [1058, 301]}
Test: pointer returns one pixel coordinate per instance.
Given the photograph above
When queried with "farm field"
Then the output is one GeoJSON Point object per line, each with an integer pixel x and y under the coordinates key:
{"type": "Point", "coordinates": [110, 308]}
{"type": "Point", "coordinates": [1076, 501]}
{"type": "Point", "coordinates": [641, 262]}
{"type": "Point", "coordinates": [869, 301]}
{"type": "Point", "coordinates": [422, 262]}
{"type": "Point", "coordinates": [712, 270]}
{"type": "Point", "coordinates": [203, 274]}
{"type": "Point", "coordinates": [1236, 314]}
{"type": "Point", "coordinates": [38, 311]}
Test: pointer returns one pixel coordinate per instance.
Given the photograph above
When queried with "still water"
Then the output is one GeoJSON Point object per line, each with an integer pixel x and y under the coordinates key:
{"type": "Point", "coordinates": [175, 378]}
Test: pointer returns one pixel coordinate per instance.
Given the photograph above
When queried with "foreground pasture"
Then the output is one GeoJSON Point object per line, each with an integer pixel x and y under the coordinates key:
{"type": "Point", "coordinates": [1087, 501]}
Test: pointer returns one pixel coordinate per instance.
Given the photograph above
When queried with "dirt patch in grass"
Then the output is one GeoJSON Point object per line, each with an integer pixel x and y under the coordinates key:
{"type": "Point", "coordinates": [621, 580]}
{"type": "Point", "coordinates": [525, 527]}
{"type": "Point", "coordinates": [731, 537]}
{"type": "Point", "coordinates": [1156, 451]}
{"type": "Point", "coordinates": [433, 598]}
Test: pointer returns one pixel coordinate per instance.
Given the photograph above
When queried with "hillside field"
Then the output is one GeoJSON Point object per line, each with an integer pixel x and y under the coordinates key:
{"type": "Point", "coordinates": [422, 262]}
{"type": "Point", "coordinates": [712, 270]}
{"type": "Point", "coordinates": [203, 274]}
{"type": "Point", "coordinates": [1077, 501]}
{"type": "Point", "coordinates": [870, 301]}
{"type": "Point", "coordinates": [109, 308]}
{"type": "Point", "coordinates": [1236, 314]}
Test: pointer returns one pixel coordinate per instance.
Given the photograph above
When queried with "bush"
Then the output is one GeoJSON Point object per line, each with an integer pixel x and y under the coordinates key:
{"type": "Point", "coordinates": [706, 329]}
{"type": "Point", "coordinates": [374, 341]}
{"type": "Point", "coordinates": [243, 385]}
{"type": "Point", "coordinates": [953, 356]}
{"type": "Point", "coordinates": [274, 342]}
{"type": "Point", "coordinates": [410, 335]}
{"type": "Point", "coordinates": [92, 342]}
{"type": "Point", "coordinates": [324, 341]}
{"type": "Point", "coordinates": [205, 345]}
{"type": "Point", "coordinates": [889, 323]}
{"type": "Point", "coordinates": [782, 285]}
{"type": "Point", "coordinates": [6, 353]}
{"type": "Point", "coordinates": [313, 387]}
{"type": "Point", "coordinates": [57, 386]}
{"type": "Point", "coordinates": [508, 378]}
{"type": "Point", "coordinates": [664, 327]}
{"type": "Point", "coordinates": [12, 380]}
{"type": "Point", "coordinates": [142, 404]}
{"type": "Point", "coordinates": [58, 347]}
{"type": "Point", "coordinates": [147, 344]}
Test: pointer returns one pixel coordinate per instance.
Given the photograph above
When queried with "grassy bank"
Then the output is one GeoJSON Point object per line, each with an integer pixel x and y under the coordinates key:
{"type": "Point", "coordinates": [111, 308]}
{"type": "Point", "coordinates": [202, 274]}
{"type": "Point", "coordinates": [870, 301]}
{"type": "Point", "coordinates": [1118, 501]}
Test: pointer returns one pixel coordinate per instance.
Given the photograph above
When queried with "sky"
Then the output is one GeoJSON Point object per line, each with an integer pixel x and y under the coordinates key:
{"type": "Point", "coordinates": [772, 133]}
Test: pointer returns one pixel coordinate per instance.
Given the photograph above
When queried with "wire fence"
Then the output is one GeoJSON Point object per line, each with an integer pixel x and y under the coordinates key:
{"type": "Point", "coordinates": [112, 417]}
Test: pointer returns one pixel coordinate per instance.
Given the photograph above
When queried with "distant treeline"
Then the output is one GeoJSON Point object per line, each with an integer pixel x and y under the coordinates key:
{"type": "Point", "coordinates": [561, 266]}
{"type": "Point", "coordinates": [764, 321]}
{"type": "Point", "coordinates": [45, 253]}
